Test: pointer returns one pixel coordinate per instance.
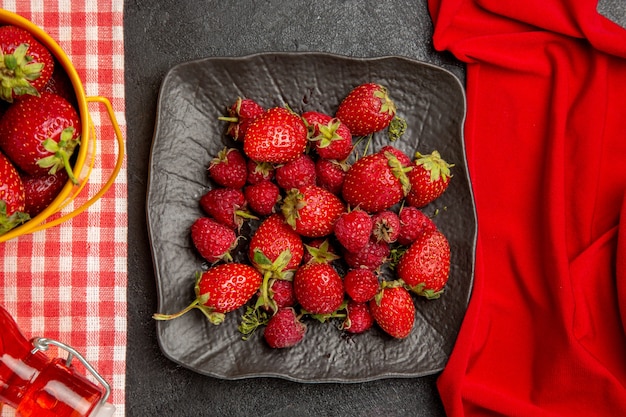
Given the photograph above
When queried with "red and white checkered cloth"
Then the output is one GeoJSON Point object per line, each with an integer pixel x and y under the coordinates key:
{"type": "Point", "coordinates": [69, 282]}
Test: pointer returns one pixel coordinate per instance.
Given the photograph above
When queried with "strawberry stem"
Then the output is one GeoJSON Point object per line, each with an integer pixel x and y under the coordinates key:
{"type": "Point", "coordinates": [264, 297]}
{"type": "Point", "coordinates": [246, 215]}
{"type": "Point", "coordinates": [194, 304]}
{"type": "Point", "coordinates": [9, 222]}
{"type": "Point", "coordinates": [61, 152]}
{"type": "Point", "coordinates": [17, 70]}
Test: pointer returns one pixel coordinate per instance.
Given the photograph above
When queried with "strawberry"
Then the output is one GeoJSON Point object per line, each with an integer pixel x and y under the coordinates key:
{"type": "Point", "coordinates": [318, 288]}
{"type": "Point", "coordinates": [319, 250]}
{"type": "Point", "coordinates": [276, 251]}
{"type": "Point", "coordinates": [361, 284]}
{"type": "Point", "coordinates": [403, 158]}
{"type": "Point", "coordinates": [220, 290]}
{"type": "Point", "coordinates": [393, 310]}
{"type": "Point", "coordinates": [273, 239]}
{"type": "Point", "coordinates": [12, 198]}
{"type": "Point", "coordinates": [41, 190]}
{"type": "Point", "coordinates": [25, 64]}
{"type": "Point", "coordinates": [353, 230]}
{"type": "Point", "coordinates": [376, 182]}
{"type": "Point", "coordinates": [229, 168]}
{"type": "Point", "coordinates": [386, 226]}
{"type": "Point", "coordinates": [413, 223]}
{"type": "Point", "coordinates": [262, 197]}
{"type": "Point", "coordinates": [296, 173]}
{"type": "Point", "coordinates": [425, 266]}
{"type": "Point", "coordinates": [281, 292]}
{"type": "Point", "coordinates": [429, 179]}
{"type": "Point", "coordinates": [311, 210]}
{"type": "Point", "coordinates": [39, 134]}
{"type": "Point", "coordinates": [227, 206]}
{"type": "Point", "coordinates": [240, 115]}
{"type": "Point", "coordinates": [259, 171]}
{"type": "Point", "coordinates": [284, 329]}
{"type": "Point", "coordinates": [372, 256]}
{"type": "Point", "coordinates": [330, 137]}
{"type": "Point", "coordinates": [330, 174]}
{"type": "Point", "coordinates": [271, 297]}
{"type": "Point", "coordinates": [358, 317]}
{"type": "Point", "coordinates": [276, 136]}
{"type": "Point", "coordinates": [213, 240]}
{"type": "Point", "coordinates": [366, 109]}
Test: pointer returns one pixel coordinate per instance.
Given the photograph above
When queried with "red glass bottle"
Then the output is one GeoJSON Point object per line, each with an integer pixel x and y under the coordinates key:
{"type": "Point", "coordinates": [36, 385]}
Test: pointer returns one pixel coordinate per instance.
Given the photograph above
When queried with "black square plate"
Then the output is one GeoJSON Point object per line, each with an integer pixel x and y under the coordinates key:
{"type": "Point", "coordinates": [188, 134]}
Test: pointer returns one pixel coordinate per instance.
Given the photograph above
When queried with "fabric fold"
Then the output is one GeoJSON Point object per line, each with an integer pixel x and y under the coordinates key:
{"type": "Point", "coordinates": [543, 334]}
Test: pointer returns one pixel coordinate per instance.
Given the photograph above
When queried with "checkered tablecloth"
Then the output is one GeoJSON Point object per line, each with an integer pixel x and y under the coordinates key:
{"type": "Point", "coordinates": [69, 282]}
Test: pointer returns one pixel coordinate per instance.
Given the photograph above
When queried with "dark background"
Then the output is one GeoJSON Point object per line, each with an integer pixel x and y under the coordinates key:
{"type": "Point", "coordinates": [160, 34]}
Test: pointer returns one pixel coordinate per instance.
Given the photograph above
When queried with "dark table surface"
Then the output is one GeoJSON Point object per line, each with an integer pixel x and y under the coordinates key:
{"type": "Point", "coordinates": [160, 34]}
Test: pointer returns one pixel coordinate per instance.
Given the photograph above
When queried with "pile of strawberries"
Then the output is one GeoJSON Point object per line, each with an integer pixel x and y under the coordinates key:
{"type": "Point", "coordinates": [327, 227]}
{"type": "Point", "coordinates": [39, 127]}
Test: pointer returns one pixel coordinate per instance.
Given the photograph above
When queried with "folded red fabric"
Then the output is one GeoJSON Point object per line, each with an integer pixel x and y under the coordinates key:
{"type": "Point", "coordinates": [546, 146]}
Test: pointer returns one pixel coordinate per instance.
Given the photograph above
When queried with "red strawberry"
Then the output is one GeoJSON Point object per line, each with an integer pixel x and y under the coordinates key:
{"type": "Point", "coordinates": [284, 329]}
{"type": "Point", "coordinates": [296, 173]}
{"type": "Point", "coordinates": [319, 250]}
{"type": "Point", "coordinates": [318, 288]}
{"type": "Point", "coordinates": [386, 226]}
{"type": "Point", "coordinates": [429, 179]}
{"type": "Point", "coordinates": [358, 317]}
{"type": "Point", "coordinates": [41, 190]}
{"type": "Point", "coordinates": [26, 65]}
{"type": "Point", "coordinates": [213, 240]}
{"type": "Point", "coordinates": [277, 136]}
{"type": "Point", "coordinates": [273, 295]}
{"type": "Point", "coordinates": [276, 251]}
{"type": "Point", "coordinates": [366, 109]}
{"type": "Point", "coordinates": [413, 223]}
{"type": "Point", "coordinates": [330, 137]}
{"type": "Point", "coordinates": [376, 182]}
{"type": "Point", "coordinates": [403, 158]}
{"type": "Point", "coordinates": [39, 134]}
{"type": "Point", "coordinates": [353, 230]}
{"type": "Point", "coordinates": [281, 292]}
{"type": "Point", "coordinates": [361, 284]}
{"type": "Point", "coordinates": [259, 171]}
{"type": "Point", "coordinates": [12, 198]}
{"type": "Point", "coordinates": [272, 239]}
{"type": "Point", "coordinates": [330, 174]}
{"type": "Point", "coordinates": [262, 197]}
{"type": "Point", "coordinates": [227, 206]}
{"type": "Point", "coordinates": [240, 115]}
{"type": "Point", "coordinates": [372, 256]}
{"type": "Point", "coordinates": [425, 266]}
{"type": "Point", "coordinates": [229, 168]}
{"type": "Point", "coordinates": [221, 289]}
{"type": "Point", "coordinates": [394, 311]}
{"type": "Point", "coordinates": [311, 210]}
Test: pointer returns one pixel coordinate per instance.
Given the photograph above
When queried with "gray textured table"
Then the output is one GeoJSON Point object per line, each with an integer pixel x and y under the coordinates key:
{"type": "Point", "coordinates": [160, 34]}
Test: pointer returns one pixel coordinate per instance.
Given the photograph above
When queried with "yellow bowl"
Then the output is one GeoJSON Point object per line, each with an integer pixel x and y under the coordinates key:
{"type": "Point", "coordinates": [86, 155]}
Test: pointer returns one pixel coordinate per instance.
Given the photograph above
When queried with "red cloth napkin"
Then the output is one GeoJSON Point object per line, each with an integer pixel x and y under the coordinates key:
{"type": "Point", "coordinates": [546, 145]}
{"type": "Point", "coordinates": [69, 282]}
